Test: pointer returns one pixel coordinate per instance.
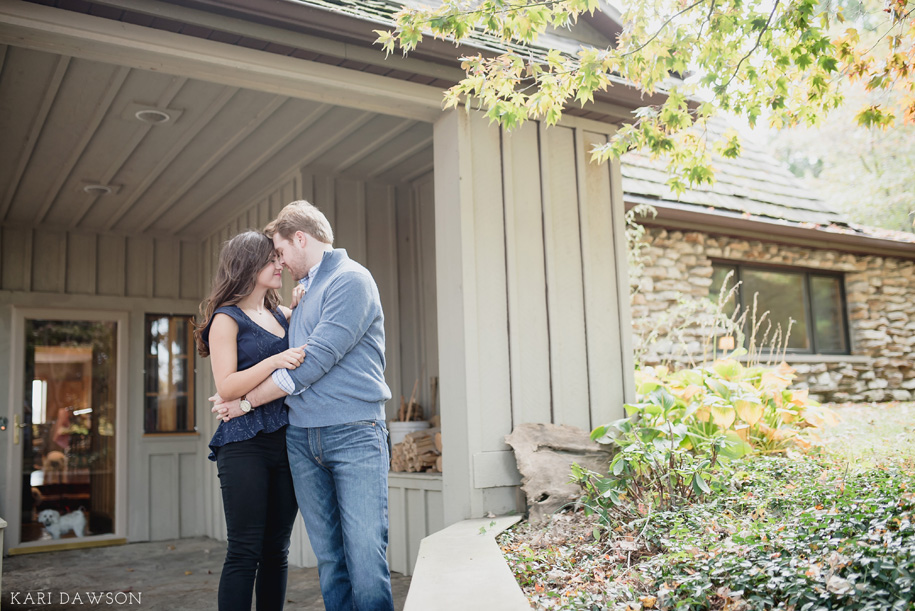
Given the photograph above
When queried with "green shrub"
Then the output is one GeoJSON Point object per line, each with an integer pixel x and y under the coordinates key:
{"type": "Point", "coordinates": [662, 462]}
{"type": "Point", "coordinates": [749, 404]}
{"type": "Point", "coordinates": [671, 446]}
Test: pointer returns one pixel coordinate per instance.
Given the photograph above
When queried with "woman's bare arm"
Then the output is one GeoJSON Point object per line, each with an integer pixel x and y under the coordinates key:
{"type": "Point", "coordinates": [231, 383]}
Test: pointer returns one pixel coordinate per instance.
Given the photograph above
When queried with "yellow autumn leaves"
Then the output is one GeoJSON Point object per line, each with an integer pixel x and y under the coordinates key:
{"type": "Point", "coordinates": [753, 404]}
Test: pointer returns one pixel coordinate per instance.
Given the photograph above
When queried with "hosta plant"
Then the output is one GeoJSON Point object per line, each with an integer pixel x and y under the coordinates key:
{"type": "Point", "coordinates": [662, 462]}
{"type": "Point", "coordinates": [752, 404]}
{"type": "Point", "coordinates": [671, 445]}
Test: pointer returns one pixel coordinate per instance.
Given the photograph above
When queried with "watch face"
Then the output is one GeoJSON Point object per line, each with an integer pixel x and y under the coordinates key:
{"type": "Point", "coordinates": [245, 405]}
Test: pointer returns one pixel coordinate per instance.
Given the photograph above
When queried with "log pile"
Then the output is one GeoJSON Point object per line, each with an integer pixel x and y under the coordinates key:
{"type": "Point", "coordinates": [438, 447]}
{"type": "Point", "coordinates": [420, 451]}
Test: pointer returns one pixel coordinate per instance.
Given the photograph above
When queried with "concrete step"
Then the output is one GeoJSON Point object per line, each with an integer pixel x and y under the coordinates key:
{"type": "Point", "coordinates": [462, 567]}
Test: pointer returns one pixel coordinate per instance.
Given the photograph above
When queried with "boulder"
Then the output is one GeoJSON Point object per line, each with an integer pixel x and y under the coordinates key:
{"type": "Point", "coordinates": [545, 453]}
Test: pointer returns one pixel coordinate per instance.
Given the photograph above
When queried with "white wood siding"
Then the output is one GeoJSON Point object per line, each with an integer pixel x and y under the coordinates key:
{"type": "Point", "coordinates": [606, 283]}
{"type": "Point", "coordinates": [565, 294]}
{"type": "Point", "coordinates": [525, 264]}
{"type": "Point", "coordinates": [172, 483]}
{"type": "Point", "coordinates": [417, 318]}
{"type": "Point", "coordinates": [76, 263]}
{"type": "Point", "coordinates": [532, 296]}
{"type": "Point", "coordinates": [416, 510]}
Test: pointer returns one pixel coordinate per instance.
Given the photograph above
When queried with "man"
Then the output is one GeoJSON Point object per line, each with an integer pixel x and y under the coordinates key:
{"type": "Point", "coordinates": [336, 439]}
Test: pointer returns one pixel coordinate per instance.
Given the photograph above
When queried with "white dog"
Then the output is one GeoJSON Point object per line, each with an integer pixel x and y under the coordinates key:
{"type": "Point", "coordinates": [57, 524]}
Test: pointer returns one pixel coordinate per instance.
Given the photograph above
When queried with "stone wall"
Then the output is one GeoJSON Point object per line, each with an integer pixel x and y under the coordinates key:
{"type": "Point", "coordinates": [671, 287]}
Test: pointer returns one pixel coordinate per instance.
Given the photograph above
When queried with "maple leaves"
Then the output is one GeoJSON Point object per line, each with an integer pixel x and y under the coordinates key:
{"type": "Point", "coordinates": [886, 65]}
{"type": "Point", "coordinates": [777, 59]}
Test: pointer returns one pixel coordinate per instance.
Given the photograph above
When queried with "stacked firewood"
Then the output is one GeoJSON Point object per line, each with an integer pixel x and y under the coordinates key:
{"type": "Point", "coordinates": [437, 441]}
{"type": "Point", "coordinates": [419, 451]}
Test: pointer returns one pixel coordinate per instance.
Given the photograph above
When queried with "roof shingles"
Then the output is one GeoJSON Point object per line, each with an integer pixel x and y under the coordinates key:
{"type": "Point", "coordinates": [755, 185]}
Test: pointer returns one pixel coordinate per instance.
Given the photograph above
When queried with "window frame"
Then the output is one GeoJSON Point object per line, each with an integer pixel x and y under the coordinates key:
{"type": "Point", "coordinates": [188, 357]}
{"type": "Point", "coordinates": [807, 273]}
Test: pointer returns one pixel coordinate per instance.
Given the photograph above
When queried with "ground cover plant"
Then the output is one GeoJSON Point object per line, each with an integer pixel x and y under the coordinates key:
{"type": "Point", "coordinates": [829, 528]}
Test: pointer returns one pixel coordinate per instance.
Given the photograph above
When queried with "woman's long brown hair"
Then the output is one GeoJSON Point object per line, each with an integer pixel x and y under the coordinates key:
{"type": "Point", "coordinates": [240, 260]}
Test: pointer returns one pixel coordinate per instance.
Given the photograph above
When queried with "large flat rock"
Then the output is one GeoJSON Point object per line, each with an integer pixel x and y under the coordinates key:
{"type": "Point", "coordinates": [545, 453]}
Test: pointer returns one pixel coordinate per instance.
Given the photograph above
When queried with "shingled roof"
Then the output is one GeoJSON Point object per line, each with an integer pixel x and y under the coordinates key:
{"type": "Point", "coordinates": [755, 186]}
{"type": "Point", "coordinates": [755, 183]}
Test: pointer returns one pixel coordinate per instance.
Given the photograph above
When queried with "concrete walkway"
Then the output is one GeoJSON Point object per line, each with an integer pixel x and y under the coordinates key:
{"type": "Point", "coordinates": [165, 575]}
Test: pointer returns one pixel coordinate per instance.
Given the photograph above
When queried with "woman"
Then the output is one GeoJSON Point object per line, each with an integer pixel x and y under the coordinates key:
{"type": "Point", "coordinates": [244, 331]}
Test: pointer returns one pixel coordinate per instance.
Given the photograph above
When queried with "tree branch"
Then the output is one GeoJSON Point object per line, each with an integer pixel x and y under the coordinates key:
{"type": "Point", "coordinates": [664, 25]}
{"type": "Point", "coordinates": [756, 46]}
{"type": "Point", "coordinates": [844, 72]}
{"type": "Point", "coordinates": [708, 19]}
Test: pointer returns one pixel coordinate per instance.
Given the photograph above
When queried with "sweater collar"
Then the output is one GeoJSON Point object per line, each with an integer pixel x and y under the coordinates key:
{"type": "Point", "coordinates": [330, 260]}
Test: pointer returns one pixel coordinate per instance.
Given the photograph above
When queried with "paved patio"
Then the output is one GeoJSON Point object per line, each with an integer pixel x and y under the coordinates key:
{"type": "Point", "coordinates": [165, 575]}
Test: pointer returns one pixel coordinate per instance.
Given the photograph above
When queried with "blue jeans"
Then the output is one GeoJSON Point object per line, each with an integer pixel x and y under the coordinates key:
{"type": "Point", "coordinates": [259, 502]}
{"type": "Point", "coordinates": [340, 474]}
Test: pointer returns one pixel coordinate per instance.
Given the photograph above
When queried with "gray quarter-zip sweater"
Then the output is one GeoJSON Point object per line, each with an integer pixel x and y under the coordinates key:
{"type": "Point", "coordinates": [341, 321]}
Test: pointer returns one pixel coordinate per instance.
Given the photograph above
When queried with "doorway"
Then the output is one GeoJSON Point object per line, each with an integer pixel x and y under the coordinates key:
{"type": "Point", "coordinates": [66, 436]}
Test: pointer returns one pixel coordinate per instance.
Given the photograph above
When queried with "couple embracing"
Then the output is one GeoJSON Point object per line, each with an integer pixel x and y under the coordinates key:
{"type": "Point", "coordinates": [300, 400]}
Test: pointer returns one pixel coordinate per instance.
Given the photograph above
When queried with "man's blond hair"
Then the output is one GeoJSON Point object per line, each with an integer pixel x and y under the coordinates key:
{"type": "Point", "coordinates": [301, 216]}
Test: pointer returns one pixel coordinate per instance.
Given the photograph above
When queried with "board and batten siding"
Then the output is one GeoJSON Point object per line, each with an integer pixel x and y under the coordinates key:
{"type": "Point", "coordinates": [78, 272]}
{"type": "Point", "coordinates": [533, 295]}
{"type": "Point", "coordinates": [73, 263]}
{"type": "Point", "coordinates": [390, 230]}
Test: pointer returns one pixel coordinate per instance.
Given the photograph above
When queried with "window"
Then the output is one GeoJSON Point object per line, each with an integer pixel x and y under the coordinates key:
{"type": "Point", "coordinates": [813, 299]}
{"type": "Point", "coordinates": [169, 375]}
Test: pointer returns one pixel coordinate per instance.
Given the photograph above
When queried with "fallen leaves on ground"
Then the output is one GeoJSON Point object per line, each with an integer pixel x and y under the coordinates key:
{"type": "Point", "coordinates": [561, 563]}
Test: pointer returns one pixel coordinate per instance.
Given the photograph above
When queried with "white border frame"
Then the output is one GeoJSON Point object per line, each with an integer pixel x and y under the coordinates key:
{"type": "Point", "coordinates": [17, 369]}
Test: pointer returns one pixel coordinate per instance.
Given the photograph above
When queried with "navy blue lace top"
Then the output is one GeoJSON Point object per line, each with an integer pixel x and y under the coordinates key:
{"type": "Point", "coordinates": [254, 345]}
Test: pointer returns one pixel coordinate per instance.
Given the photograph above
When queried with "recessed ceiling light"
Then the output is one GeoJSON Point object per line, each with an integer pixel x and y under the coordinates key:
{"type": "Point", "coordinates": [152, 116]}
{"type": "Point", "coordinates": [97, 189]}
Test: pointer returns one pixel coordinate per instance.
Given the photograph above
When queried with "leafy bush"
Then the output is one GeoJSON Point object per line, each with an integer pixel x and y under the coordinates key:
{"type": "Point", "coordinates": [662, 462]}
{"type": "Point", "coordinates": [789, 530]}
{"type": "Point", "coordinates": [748, 404]}
{"type": "Point", "coordinates": [687, 421]}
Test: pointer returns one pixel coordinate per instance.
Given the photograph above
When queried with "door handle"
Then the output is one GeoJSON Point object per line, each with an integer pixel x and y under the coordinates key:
{"type": "Point", "coordinates": [16, 428]}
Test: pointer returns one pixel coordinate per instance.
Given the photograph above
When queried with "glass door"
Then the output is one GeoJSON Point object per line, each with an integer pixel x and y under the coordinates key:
{"type": "Point", "coordinates": [68, 432]}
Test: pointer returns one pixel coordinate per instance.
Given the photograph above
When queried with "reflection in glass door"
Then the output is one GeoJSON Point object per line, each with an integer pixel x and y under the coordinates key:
{"type": "Point", "coordinates": [68, 442]}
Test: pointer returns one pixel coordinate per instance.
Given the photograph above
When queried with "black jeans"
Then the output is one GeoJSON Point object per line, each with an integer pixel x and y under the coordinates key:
{"type": "Point", "coordinates": [259, 501]}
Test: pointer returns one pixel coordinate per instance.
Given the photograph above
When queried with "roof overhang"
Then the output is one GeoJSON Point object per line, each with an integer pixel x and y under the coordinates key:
{"type": "Point", "coordinates": [615, 105]}
{"type": "Point", "coordinates": [687, 217]}
{"type": "Point", "coordinates": [77, 35]}
{"type": "Point", "coordinates": [607, 20]}
{"type": "Point", "coordinates": [241, 117]}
